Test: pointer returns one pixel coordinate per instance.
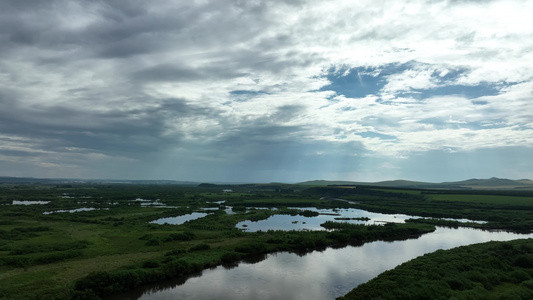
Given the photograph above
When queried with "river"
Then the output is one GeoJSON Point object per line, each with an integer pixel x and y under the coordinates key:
{"type": "Point", "coordinates": [317, 275]}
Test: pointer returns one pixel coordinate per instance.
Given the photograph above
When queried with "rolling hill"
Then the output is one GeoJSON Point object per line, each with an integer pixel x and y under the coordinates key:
{"type": "Point", "coordinates": [491, 183]}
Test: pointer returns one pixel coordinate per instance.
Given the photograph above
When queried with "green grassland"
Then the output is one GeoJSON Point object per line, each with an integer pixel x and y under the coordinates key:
{"type": "Point", "coordinates": [487, 199]}
{"type": "Point", "coordinates": [501, 209]}
{"type": "Point", "coordinates": [113, 248]}
{"type": "Point", "coordinates": [89, 254]}
{"type": "Point", "coordinates": [493, 270]}
{"type": "Point", "coordinates": [392, 190]}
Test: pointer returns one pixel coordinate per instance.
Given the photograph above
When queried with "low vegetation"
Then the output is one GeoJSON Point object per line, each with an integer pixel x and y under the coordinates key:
{"type": "Point", "coordinates": [493, 270]}
{"type": "Point", "coordinates": [87, 254]}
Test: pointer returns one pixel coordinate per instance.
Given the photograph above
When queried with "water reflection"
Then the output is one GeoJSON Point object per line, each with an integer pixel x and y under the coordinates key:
{"type": "Point", "coordinates": [288, 222]}
{"type": "Point", "coordinates": [350, 215]}
{"type": "Point", "coordinates": [317, 275]}
{"type": "Point", "coordinates": [147, 202]}
{"type": "Point", "coordinates": [73, 210]}
{"type": "Point", "coordinates": [29, 202]}
{"type": "Point", "coordinates": [179, 219]}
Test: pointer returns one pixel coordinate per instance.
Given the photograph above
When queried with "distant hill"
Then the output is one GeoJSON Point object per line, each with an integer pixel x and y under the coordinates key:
{"type": "Point", "coordinates": [327, 182]}
{"type": "Point", "coordinates": [497, 183]}
{"type": "Point", "coordinates": [491, 183]}
{"type": "Point", "coordinates": [32, 180]}
{"type": "Point", "coordinates": [401, 183]}
{"type": "Point", "coordinates": [389, 183]}
{"type": "Point", "coordinates": [525, 181]}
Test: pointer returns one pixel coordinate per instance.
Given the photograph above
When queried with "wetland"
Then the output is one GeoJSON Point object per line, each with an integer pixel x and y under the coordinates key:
{"type": "Point", "coordinates": [273, 236]}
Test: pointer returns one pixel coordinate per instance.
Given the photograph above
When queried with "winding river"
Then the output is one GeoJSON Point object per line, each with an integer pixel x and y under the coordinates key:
{"type": "Point", "coordinates": [317, 275]}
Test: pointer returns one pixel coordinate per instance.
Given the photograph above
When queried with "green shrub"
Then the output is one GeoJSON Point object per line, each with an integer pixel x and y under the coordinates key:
{"type": "Point", "coordinates": [147, 237]}
{"type": "Point", "coordinates": [179, 267]}
{"type": "Point", "coordinates": [96, 283]}
{"type": "Point", "coordinates": [528, 284]}
{"type": "Point", "coordinates": [519, 276]}
{"type": "Point", "coordinates": [56, 256]}
{"type": "Point", "coordinates": [256, 248]}
{"type": "Point", "coordinates": [477, 276]}
{"type": "Point", "coordinates": [308, 213]}
{"type": "Point", "coordinates": [523, 261]}
{"type": "Point", "coordinates": [238, 208]}
{"type": "Point", "coordinates": [37, 248]}
{"type": "Point", "coordinates": [340, 237]}
{"type": "Point", "coordinates": [153, 242]}
{"type": "Point", "coordinates": [150, 264]}
{"type": "Point", "coordinates": [275, 240]}
{"type": "Point", "coordinates": [230, 257]}
{"type": "Point", "coordinates": [200, 247]}
{"type": "Point", "coordinates": [186, 236]}
{"type": "Point", "coordinates": [175, 252]}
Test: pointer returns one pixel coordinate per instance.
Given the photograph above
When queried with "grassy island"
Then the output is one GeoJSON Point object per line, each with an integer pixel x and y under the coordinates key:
{"type": "Point", "coordinates": [493, 270]}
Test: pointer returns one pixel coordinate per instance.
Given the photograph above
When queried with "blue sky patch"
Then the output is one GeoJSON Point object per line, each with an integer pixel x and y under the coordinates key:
{"type": "Point", "coordinates": [467, 91]}
{"type": "Point", "coordinates": [446, 86]}
{"type": "Point", "coordinates": [371, 134]}
{"type": "Point", "coordinates": [360, 82]}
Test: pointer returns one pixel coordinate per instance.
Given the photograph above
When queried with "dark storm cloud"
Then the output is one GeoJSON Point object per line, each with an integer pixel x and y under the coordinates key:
{"type": "Point", "coordinates": [262, 138]}
{"type": "Point", "coordinates": [265, 142]}
{"type": "Point", "coordinates": [126, 29]}
{"type": "Point", "coordinates": [121, 29]}
{"type": "Point", "coordinates": [17, 26]}
{"type": "Point", "coordinates": [127, 48]}
{"type": "Point", "coordinates": [218, 24]}
{"type": "Point", "coordinates": [287, 112]}
{"type": "Point", "coordinates": [183, 74]}
{"type": "Point", "coordinates": [127, 131]}
{"type": "Point", "coordinates": [269, 151]}
{"type": "Point", "coordinates": [168, 73]}
{"type": "Point", "coordinates": [279, 159]}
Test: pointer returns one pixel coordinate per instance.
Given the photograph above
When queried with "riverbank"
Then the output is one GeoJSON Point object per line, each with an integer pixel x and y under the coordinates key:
{"type": "Point", "coordinates": [493, 270]}
{"type": "Point", "coordinates": [204, 256]}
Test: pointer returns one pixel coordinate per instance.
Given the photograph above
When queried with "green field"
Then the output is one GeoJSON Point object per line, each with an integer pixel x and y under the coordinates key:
{"type": "Point", "coordinates": [487, 199]}
{"type": "Point", "coordinates": [114, 247]}
{"type": "Point", "coordinates": [405, 191]}
{"type": "Point", "coordinates": [71, 255]}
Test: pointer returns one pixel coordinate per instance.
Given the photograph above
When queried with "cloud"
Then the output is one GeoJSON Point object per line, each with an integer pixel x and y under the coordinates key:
{"type": "Point", "coordinates": [264, 85]}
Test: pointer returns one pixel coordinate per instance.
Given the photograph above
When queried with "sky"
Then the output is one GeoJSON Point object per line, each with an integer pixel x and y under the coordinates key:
{"type": "Point", "coordinates": [263, 91]}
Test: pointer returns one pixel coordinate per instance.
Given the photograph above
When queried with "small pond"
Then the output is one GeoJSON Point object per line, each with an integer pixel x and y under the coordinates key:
{"type": "Point", "coordinates": [179, 219]}
{"type": "Point", "coordinates": [147, 202]}
{"type": "Point", "coordinates": [29, 202]}
{"type": "Point", "coordinates": [73, 210]}
{"type": "Point", "coordinates": [288, 222]}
